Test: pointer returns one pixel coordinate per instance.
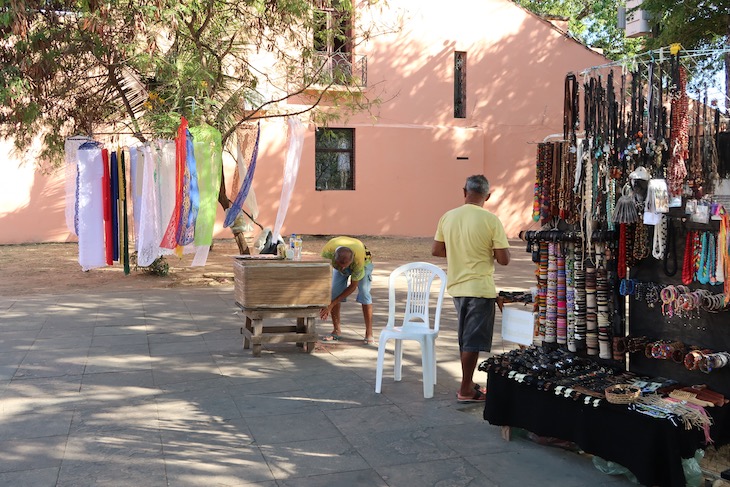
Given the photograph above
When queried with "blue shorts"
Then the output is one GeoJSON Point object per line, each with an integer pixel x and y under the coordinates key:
{"type": "Point", "coordinates": [340, 283]}
{"type": "Point", "coordinates": [476, 323]}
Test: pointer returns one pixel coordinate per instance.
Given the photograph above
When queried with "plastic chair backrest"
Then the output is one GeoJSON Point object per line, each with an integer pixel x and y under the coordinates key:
{"type": "Point", "coordinates": [419, 276]}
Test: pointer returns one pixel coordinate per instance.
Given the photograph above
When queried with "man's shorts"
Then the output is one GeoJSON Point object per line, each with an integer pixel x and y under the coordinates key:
{"type": "Point", "coordinates": [476, 323]}
{"type": "Point", "coordinates": [340, 282]}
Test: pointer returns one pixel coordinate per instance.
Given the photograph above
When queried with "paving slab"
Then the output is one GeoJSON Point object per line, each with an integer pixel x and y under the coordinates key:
{"type": "Point", "coordinates": [154, 389]}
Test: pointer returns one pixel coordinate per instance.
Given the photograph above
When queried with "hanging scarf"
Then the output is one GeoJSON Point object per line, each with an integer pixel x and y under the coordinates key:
{"type": "Point", "coordinates": [237, 204]}
{"type": "Point", "coordinates": [191, 196]}
{"type": "Point", "coordinates": [90, 202]}
{"type": "Point", "coordinates": [107, 198]}
{"type": "Point", "coordinates": [125, 222]}
{"type": "Point", "coordinates": [71, 148]}
{"type": "Point", "coordinates": [172, 168]}
{"type": "Point", "coordinates": [135, 192]}
{"type": "Point", "coordinates": [148, 244]}
{"type": "Point", "coordinates": [114, 204]}
{"type": "Point", "coordinates": [169, 240]}
{"type": "Point", "coordinates": [209, 164]}
{"type": "Point", "coordinates": [291, 170]}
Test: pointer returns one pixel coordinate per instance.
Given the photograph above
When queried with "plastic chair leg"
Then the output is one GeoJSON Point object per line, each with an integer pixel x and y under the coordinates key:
{"type": "Point", "coordinates": [433, 360]}
{"type": "Point", "coordinates": [379, 366]}
{"type": "Point", "coordinates": [398, 367]}
{"type": "Point", "coordinates": [427, 367]}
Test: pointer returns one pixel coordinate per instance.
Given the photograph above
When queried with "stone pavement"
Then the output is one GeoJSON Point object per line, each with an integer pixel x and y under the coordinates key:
{"type": "Point", "coordinates": [150, 389]}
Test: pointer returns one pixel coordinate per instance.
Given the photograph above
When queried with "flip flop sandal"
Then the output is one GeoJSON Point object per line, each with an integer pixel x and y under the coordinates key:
{"type": "Point", "coordinates": [331, 338]}
{"type": "Point", "coordinates": [369, 341]}
{"type": "Point", "coordinates": [478, 396]}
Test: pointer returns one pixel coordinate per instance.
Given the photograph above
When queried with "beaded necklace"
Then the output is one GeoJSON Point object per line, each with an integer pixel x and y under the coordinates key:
{"type": "Point", "coordinates": [707, 258]}
{"type": "Point", "coordinates": [538, 184]}
{"type": "Point", "coordinates": [687, 275]}
{"type": "Point", "coordinates": [721, 246]}
{"type": "Point", "coordinates": [677, 171]}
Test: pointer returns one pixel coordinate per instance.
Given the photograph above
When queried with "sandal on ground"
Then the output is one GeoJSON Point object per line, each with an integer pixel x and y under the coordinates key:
{"type": "Point", "coordinates": [369, 341]}
{"type": "Point", "coordinates": [331, 338]}
{"type": "Point", "coordinates": [478, 396]}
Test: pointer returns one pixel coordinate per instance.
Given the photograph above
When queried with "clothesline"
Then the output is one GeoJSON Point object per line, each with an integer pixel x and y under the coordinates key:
{"type": "Point", "coordinates": [658, 55]}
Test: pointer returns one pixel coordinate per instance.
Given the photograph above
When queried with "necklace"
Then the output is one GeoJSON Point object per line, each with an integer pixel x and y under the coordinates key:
{"type": "Point", "coordinates": [702, 273]}
{"type": "Point", "coordinates": [660, 238]}
{"type": "Point", "coordinates": [687, 262]}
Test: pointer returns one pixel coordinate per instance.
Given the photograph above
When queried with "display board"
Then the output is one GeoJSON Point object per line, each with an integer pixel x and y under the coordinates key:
{"type": "Point", "coordinates": [699, 328]}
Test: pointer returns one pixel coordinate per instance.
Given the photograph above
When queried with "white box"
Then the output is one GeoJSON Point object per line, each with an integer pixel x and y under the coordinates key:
{"type": "Point", "coordinates": [517, 325]}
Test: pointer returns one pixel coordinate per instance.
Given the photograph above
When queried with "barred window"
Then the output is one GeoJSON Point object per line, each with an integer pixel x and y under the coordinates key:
{"type": "Point", "coordinates": [459, 84]}
{"type": "Point", "coordinates": [334, 159]}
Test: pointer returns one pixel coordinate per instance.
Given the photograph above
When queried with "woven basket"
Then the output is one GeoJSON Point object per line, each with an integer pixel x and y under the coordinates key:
{"type": "Point", "coordinates": [622, 393]}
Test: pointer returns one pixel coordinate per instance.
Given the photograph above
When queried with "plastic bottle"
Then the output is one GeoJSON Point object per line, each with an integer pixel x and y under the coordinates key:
{"type": "Point", "coordinates": [298, 248]}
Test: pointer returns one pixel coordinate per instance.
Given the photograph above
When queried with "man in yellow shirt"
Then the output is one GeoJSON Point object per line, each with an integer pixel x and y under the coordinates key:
{"type": "Point", "coordinates": [471, 238]}
{"type": "Point", "coordinates": [352, 261]}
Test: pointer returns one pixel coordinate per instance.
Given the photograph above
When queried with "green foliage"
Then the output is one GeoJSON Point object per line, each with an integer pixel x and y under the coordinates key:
{"type": "Point", "coordinates": [592, 22]}
{"type": "Point", "coordinates": [76, 67]}
{"type": "Point", "coordinates": [696, 24]}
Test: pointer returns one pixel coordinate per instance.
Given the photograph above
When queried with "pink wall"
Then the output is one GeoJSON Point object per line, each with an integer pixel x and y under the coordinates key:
{"type": "Point", "coordinates": [407, 172]}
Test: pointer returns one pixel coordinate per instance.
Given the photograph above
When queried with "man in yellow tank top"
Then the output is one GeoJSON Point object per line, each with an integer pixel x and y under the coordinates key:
{"type": "Point", "coordinates": [472, 238]}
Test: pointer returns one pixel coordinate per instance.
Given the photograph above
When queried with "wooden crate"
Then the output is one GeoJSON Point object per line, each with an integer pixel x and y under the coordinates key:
{"type": "Point", "coordinates": [273, 283]}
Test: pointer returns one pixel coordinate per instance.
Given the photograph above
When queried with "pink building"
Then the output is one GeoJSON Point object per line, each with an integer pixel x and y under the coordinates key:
{"type": "Point", "coordinates": [464, 90]}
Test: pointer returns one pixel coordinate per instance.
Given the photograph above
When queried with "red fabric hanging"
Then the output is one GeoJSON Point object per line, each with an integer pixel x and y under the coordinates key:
{"type": "Point", "coordinates": [169, 240]}
{"type": "Point", "coordinates": [107, 200]}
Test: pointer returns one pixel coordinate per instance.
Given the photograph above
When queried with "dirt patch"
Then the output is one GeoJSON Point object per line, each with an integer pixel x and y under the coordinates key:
{"type": "Point", "coordinates": [50, 268]}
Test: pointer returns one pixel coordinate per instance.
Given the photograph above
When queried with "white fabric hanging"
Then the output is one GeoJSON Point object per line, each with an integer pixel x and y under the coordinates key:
{"type": "Point", "coordinates": [148, 245]}
{"type": "Point", "coordinates": [135, 178]}
{"type": "Point", "coordinates": [291, 170]}
{"type": "Point", "coordinates": [90, 207]}
{"type": "Point", "coordinates": [71, 147]}
{"type": "Point", "coordinates": [163, 152]}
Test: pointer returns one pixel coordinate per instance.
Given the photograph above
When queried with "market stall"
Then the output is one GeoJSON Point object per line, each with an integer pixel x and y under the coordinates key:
{"type": "Point", "coordinates": [632, 203]}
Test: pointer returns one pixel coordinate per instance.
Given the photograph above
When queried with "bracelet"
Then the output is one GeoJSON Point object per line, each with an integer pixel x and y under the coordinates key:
{"type": "Point", "coordinates": [690, 360]}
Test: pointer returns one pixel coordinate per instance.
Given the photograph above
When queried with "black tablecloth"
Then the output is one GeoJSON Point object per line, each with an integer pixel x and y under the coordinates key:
{"type": "Point", "coordinates": [651, 448]}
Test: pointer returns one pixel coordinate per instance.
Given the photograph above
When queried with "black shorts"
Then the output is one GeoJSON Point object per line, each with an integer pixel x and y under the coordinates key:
{"type": "Point", "coordinates": [476, 323]}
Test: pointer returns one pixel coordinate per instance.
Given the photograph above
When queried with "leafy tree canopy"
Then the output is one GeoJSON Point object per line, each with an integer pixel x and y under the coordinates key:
{"type": "Point", "coordinates": [592, 22]}
{"type": "Point", "coordinates": [72, 67]}
{"type": "Point", "coordinates": [695, 24]}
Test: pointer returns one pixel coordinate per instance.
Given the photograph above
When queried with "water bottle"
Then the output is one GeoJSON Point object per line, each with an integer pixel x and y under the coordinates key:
{"type": "Point", "coordinates": [298, 248]}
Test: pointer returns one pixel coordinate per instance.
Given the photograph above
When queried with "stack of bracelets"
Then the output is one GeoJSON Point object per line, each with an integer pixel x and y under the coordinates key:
{"type": "Point", "coordinates": [591, 309]}
{"type": "Point", "coordinates": [706, 360]}
{"type": "Point", "coordinates": [669, 296]}
{"type": "Point", "coordinates": [664, 350]}
{"type": "Point", "coordinates": [579, 282]}
{"type": "Point", "coordinates": [676, 300]}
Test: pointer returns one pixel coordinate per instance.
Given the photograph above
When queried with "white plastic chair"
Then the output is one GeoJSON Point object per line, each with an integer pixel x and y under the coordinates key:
{"type": "Point", "coordinates": [416, 323]}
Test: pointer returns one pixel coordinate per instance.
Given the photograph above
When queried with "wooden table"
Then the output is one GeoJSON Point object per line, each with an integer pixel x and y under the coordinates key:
{"type": "Point", "coordinates": [303, 333]}
{"type": "Point", "coordinates": [267, 288]}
